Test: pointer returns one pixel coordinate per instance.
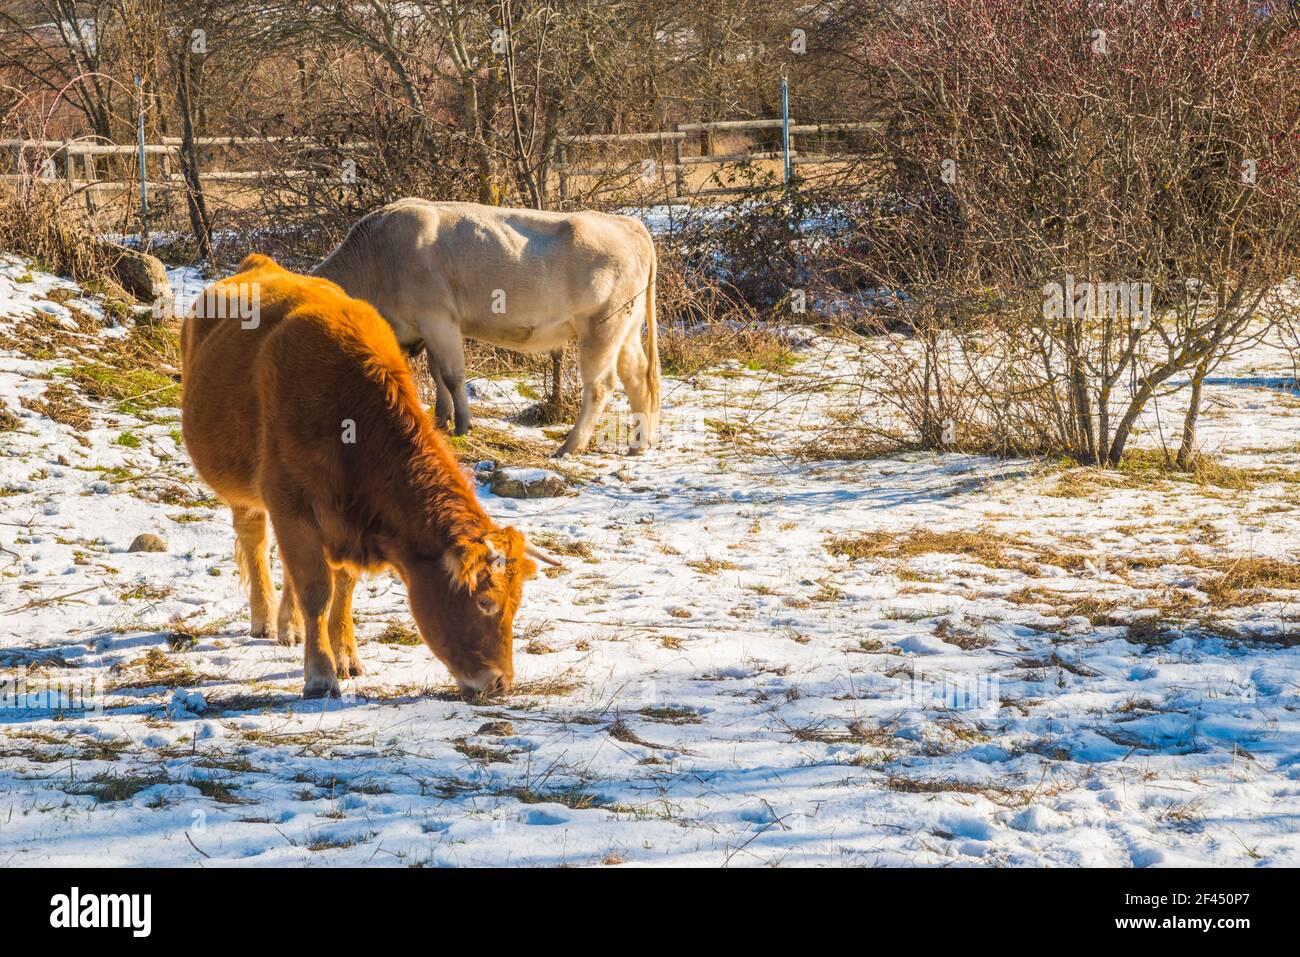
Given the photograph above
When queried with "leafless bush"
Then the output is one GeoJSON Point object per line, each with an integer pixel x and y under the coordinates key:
{"type": "Point", "coordinates": [704, 319]}
{"type": "Point", "coordinates": [1082, 204]}
{"type": "Point", "coordinates": [39, 220]}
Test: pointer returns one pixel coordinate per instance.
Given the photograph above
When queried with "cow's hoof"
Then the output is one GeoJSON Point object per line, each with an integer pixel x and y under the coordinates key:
{"type": "Point", "coordinates": [262, 630]}
{"type": "Point", "coordinates": [350, 667]}
{"type": "Point", "coordinates": [638, 449]}
{"type": "Point", "coordinates": [327, 687]}
{"type": "Point", "coordinates": [289, 637]}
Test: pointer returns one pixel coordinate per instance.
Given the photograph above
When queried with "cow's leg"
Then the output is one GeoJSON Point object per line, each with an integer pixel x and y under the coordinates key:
{"type": "Point", "coordinates": [596, 363]}
{"type": "Point", "coordinates": [444, 410]}
{"type": "Point", "coordinates": [633, 370]}
{"type": "Point", "coordinates": [343, 639]}
{"type": "Point", "coordinates": [447, 352]}
{"type": "Point", "coordinates": [313, 585]}
{"type": "Point", "coordinates": [253, 557]}
{"type": "Point", "coordinates": [289, 626]}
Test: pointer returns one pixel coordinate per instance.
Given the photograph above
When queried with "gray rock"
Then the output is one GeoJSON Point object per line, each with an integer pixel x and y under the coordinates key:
{"type": "Point", "coordinates": [148, 542]}
{"type": "Point", "coordinates": [140, 274]}
{"type": "Point", "coordinates": [527, 483]}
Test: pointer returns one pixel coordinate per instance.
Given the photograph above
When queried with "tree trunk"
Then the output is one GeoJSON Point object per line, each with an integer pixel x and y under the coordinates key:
{"type": "Point", "coordinates": [525, 175]}
{"type": "Point", "coordinates": [1088, 452]}
{"type": "Point", "coordinates": [471, 120]}
{"type": "Point", "coordinates": [200, 224]}
{"type": "Point", "coordinates": [1187, 449]}
{"type": "Point", "coordinates": [927, 413]}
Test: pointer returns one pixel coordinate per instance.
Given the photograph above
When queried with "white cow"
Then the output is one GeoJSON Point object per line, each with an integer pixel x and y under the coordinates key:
{"type": "Point", "coordinates": [518, 278]}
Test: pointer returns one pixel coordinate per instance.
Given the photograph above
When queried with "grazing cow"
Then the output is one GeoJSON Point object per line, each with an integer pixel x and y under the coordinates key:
{"type": "Point", "coordinates": [518, 278]}
{"type": "Point", "coordinates": [302, 409]}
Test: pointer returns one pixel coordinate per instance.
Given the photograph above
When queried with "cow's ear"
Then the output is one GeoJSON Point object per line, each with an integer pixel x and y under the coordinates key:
{"type": "Point", "coordinates": [465, 562]}
{"type": "Point", "coordinates": [471, 561]}
{"type": "Point", "coordinates": [522, 553]}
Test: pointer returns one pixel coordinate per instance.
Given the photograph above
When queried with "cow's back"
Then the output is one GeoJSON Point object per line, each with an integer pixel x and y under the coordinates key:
{"type": "Point", "coordinates": [275, 371]}
{"type": "Point", "coordinates": [532, 249]}
{"type": "Point", "coordinates": [220, 411]}
{"type": "Point", "coordinates": [496, 272]}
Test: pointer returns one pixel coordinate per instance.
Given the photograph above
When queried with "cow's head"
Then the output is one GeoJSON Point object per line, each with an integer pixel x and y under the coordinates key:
{"type": "Point", "coordinates": [464, 603]}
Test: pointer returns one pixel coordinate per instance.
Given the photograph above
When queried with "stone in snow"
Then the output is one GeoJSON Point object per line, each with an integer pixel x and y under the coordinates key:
{"type": "Point", "coordinates": [148, 542]}
{"type": "Point", "coordinates": [527, 483]}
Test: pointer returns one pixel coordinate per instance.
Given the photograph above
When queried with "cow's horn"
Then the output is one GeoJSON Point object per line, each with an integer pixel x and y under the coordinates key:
{"type": "Point", "coordinates": [540, 555]}
{"type": "Point", "coordinates": [498, 560]}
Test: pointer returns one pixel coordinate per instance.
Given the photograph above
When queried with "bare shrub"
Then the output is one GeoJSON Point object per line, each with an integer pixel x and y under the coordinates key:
{"type": "Point", "coordinates": [41, 221]}
{"type": "Point", "coordinates": [1082, 204]}
{"type": "Point", "coordinates": [704, 320]}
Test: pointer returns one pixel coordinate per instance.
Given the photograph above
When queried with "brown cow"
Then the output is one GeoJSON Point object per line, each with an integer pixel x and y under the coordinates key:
{"type": "Point", "coordinates": [298, 405]}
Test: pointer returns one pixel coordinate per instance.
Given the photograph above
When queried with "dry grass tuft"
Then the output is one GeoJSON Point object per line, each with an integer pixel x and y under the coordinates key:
{"type": "Point", "coordinates": [134, 374]}
{"type": "Point", "coordinates": [1007, 797]}
{"type": "Point", "coordinates": [1155, 469]}
{"type": "Point", "coordinates": [155, 668]}
{"type": "Point", "coordinates": [574, 798]}
{"type": "Point", "coordinates": [397, 633]}
{"type": "Point", "coordinates": [706, 345]}
{"type": "Point", "coordinates": [482, 753]}
{"type": "Point", "coordinates": [62, 405]}
{"type": "Point", "coordinates": [711, 566]}
{"type": "Point", "coordinates": [850, 444]}
{"type": "Point", "coordinates": [965, 636]}
{"type": "Point", "coordinates": [545, 412]}
{"type": "Point", "coordinates": [1246, 579]}
{"type": "Point", "coordinates": [223, 792]}
{"type": "Point", "coordinates": [40, 336]}
{"type": "Point", "coordinates": [107, 788]}
{"type": "Point", "coordinates": [555, 545]}
{"type": "Point", "coordinates": [486, 443]}
{"type": "Point", "coordinates": [558, 685]}
{"type": "Point", "coordinates": [8, 421]}
{"type": "Point", "coordinates": [984, 547]}
{"type": "Point", "coordinates": [183, 633]}
{"type": "Point", "coordinates": [669, 714]}
{"type": "Point", "coordinates": [621, 731]}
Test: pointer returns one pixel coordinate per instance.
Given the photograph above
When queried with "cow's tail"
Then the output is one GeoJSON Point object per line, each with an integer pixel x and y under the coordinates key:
{"type": "Point", "coordinates": [652, 335]}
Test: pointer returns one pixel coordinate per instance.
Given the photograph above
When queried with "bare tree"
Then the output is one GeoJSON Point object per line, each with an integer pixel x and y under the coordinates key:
{"type": "Point", "coordinates": [54, 45]}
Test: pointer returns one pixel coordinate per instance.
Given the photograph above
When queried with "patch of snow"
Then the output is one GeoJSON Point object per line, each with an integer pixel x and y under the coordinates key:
{"type": "Point", "coordinates": [702, 683]}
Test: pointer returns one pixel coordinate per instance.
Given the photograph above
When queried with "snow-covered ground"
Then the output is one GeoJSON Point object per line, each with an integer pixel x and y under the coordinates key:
{"type": "Point", "coordinates": [705, 682]}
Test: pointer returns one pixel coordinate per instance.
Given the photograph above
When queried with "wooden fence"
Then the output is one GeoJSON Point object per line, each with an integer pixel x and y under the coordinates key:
{"type": "Point", "coordinates": [77, 162]}
{"type": "Point", "coordinates": [679, 135]}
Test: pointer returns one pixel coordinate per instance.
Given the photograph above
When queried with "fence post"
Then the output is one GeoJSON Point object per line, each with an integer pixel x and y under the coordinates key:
{"type": "Point", "coordinates": [144, 189]}
{"type": "Point", "coordinates": [679, 178]}
{"type": "Point", "coordinates": [92, 177]}
{"type": "Point", "coordinates": [785, 130]}
{"type": "Point", "coordinates": [561, 158]}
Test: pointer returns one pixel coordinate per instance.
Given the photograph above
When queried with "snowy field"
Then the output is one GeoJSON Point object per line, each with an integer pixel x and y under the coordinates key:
{"type": "Point", "coordinates": [749, 657]}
